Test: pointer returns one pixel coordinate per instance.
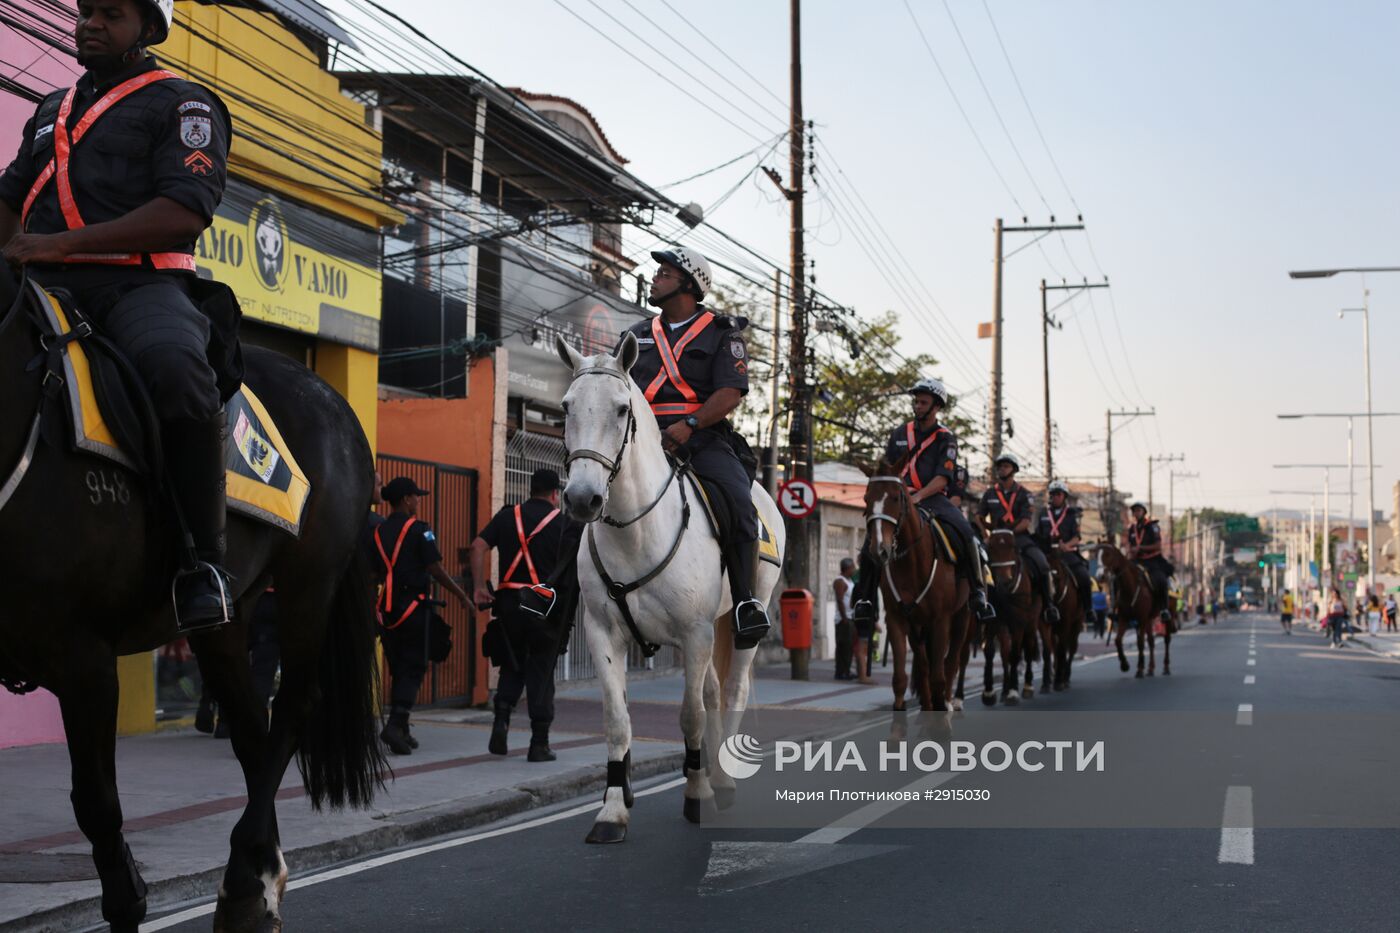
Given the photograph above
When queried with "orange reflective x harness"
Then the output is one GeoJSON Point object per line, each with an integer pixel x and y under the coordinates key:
{"type": "Point", "coordinates": [1056, 523]}
{"type": "Point", "coordinates": [1009, 516]}
{"type": "Point", "coordinates": [671, 370]}
{"type": "Point", "coordinates": [910, 467]}
{"type": "Point", "coordinates": [506, 582]}
{"type": "Point", "coordinates": [57, 169]}
{"type": "Point", "coordinates": [1143, 551]}
{"type": "Point", "coordinates": [386, 596]}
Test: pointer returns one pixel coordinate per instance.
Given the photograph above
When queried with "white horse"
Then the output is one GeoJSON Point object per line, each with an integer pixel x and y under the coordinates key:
{"type": "Point", "coordinates": [655, 543]}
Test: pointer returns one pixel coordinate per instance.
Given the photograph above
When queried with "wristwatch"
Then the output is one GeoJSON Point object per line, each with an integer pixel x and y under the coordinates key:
{"type": "Point", "coordinates": [692, 422]}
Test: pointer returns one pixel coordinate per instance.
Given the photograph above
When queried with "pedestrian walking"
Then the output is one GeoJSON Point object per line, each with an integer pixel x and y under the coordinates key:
{"type": "Point", "coordinates": [1285, 606]}
{"type": "Point", "coordinates": [1214, 611]}
{"type": "Point", "coordinates": [1373, 615]}
{"type": "Point", "coordinates": [842, 588]}
{"type": "Point", "coordinates": [406, 555]}
{"type": "Point", "coordinates": [523, 644]}
{"type": "Point", "coordinates": [1099, 600]}
{"type": "Point", "coordinates": [1391, 608]}
{"type": "Point", "coordinates": [1336, 617]}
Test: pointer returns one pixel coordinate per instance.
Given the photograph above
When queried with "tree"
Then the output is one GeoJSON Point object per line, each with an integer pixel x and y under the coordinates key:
{"type": "Point", "coordinates": [868, 396]}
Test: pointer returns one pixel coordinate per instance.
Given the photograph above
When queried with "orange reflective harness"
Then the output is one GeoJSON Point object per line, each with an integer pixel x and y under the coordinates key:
{"type": "Point", "coordinates": [386, 596]}
{"type": "Point", "coordinates": [1056, 523]}
{"type": "Point", "coordinates": [506, 583]}
{"type": "Point", "coordinates": [670, 369]}
{"type": "Point", "coordinates": [1008, 508]}
{"type": "Point", "coordinates": [910, 468]}
{"type": "Point", "coordinates": [57, 169]}
{"type": "Point", "coordinates": [1143, 551]}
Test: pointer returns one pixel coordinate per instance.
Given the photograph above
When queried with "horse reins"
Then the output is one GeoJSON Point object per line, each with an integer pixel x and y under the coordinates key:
{"type": "Point", "coordinates": [898, 522]}
{"type": "Point", "coordinates": [1017, 563]}
{"type": "Point", "coordinates": [617, 592]}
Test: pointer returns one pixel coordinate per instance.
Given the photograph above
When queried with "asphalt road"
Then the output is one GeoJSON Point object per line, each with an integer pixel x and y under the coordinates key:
{"type": "Point", "coordinates": [536, 872]}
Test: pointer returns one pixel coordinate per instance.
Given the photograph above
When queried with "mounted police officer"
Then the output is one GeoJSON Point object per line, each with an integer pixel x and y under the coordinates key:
{"type": "Point", "coordinates": [114, 181]}
{"type": "Point", "coordinates": [1058, 529]}
{"type": "Point", "coordinates": [1145, 547]}
{"type": "Point", "coordinates": [930, 452]}
{"type": "Point", "coordinates": [523, 645]}
{"type": "Point", "coordinates": [405, 552]}
{"type": "Point", "coordinates": [693, 368]}
{"type": "Point", "coordinates": [1008, 504]}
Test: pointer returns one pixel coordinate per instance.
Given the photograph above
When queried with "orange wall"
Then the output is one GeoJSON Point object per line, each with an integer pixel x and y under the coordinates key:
{"type": "Point", "coordinates": [457, 432]}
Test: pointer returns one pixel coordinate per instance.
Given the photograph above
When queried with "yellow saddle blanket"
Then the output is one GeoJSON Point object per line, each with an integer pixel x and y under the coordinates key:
{"type": "Point", "coordinates": [264, 480]}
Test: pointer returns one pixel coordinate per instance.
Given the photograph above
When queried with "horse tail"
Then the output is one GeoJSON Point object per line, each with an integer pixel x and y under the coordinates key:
{"type": "Point", "coordinates": [340, 757]}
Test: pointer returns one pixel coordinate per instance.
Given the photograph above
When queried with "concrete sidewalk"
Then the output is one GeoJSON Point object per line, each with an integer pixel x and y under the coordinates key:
{"type": "Point", "coordinates": [182, 792]}
{"type": "Point", "coordinates": [1384, 643]}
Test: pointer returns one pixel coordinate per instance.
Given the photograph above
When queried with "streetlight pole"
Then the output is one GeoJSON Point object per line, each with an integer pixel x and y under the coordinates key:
{"type": "Point", "coordinates": [1370, 441]}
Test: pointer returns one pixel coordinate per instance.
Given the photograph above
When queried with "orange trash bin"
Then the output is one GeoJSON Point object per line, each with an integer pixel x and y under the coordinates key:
{"type": "Point", "coordinates": [796, 607]}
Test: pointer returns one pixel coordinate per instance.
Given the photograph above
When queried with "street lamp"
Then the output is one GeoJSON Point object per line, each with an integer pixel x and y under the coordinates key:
{"type": "Point", "coordinates": [1370, 523]}
{"type": "Point", "coordinates": [1370, 436]}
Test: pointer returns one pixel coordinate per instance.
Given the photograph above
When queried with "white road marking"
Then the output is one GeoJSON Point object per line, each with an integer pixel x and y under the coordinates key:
{"type": "Point", "coordinates": [857, 820]}
{"type": "Point", "coordinates": [346, 870]}
{"type": "Point", "coordinates": [1251, 662]}
{"type": "Point", "coordinates": [1237, 827]}
{"type": "Point", "coordinates": [1245, 715]}
{"type": "Point", "coordinates": [1248, 679]}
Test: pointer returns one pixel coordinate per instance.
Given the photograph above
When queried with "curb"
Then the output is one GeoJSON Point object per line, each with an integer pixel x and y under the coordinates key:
{"type": "Point", "coordinates": [407, 827]}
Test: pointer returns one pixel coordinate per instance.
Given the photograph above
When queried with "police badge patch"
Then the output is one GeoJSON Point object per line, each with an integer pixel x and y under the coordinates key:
{"type": "Point", "coordinates": [195, 131]}
{"type": "Point", "coordinates": [736, 347]}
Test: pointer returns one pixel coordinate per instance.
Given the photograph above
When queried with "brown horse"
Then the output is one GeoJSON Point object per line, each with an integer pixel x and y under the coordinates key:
{"type": "Point", "coordinates": [1060, 640]}
{"type": "Point", "coordinates": [925, 601]}
{"type": "Point", "coordinates": [1132, 599]}
{"type": "Point", "coordinates": [1018, 605]}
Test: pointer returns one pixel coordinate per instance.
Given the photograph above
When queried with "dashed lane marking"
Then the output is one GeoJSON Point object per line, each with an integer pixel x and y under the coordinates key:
{"type": "Point", "coordinates": [1237, 827]}
{"type": "Point", "coordinates": [1248, 679]}
{"type": "Point", "coordinates": [1245, 715]}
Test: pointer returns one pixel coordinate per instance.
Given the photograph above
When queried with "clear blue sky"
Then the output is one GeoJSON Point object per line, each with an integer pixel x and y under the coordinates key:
{"type": "Point", "coordinates": [1211, 147]}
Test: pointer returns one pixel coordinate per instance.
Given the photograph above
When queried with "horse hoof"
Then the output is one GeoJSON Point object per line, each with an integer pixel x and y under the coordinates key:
{"type": "Point", "coordinates": [1151, 673]}
{"type": "Point", "coordinates": [724, 797]}
{"type": "Point", "coordinates": [696, 810]}
{"type": "Point", "coordinates": [1028, 692]}
{"type": "Point", "coordinates": [957, 704]}
{"type": "Point", "coordinates": [989, 698]}
{"type": "Point", "coordinates": [606, 833]}
{"type": "Point", "coordinates": [1139, 675]}
{"type": "Point", "coordinates": [1012, 699]}
{"type": "Point", "coordinates": [1123, 666]}
{"type": "Point", "coordinates": [1166, 672]}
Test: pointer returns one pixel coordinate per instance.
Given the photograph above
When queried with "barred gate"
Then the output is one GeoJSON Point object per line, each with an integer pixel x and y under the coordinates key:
{"type": "Point", "coordinates": [451, 511]}
{"type": "Point", "coordinates": [526, 453]}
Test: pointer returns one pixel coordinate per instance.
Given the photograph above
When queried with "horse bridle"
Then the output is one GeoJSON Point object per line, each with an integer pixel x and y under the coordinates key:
{"type": "Point", "coordinates": [898, 522]}
{"type": "Point", "coordinates": [617, 592]}
{"type": "Point", "coordinates": [1017, 563]}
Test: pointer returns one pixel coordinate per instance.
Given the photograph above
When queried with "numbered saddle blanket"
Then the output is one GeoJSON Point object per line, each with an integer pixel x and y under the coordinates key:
{"type": "Point", "coordinates": [264, 480]}
{"type": "Point", "coordinates": [716, 506]}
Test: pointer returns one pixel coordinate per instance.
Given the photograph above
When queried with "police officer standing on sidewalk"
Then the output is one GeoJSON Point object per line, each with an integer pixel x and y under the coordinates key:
{"type": "Point", "coordinates": [524, 644]}
{"type": "Point", "coordinates": [406, 554]}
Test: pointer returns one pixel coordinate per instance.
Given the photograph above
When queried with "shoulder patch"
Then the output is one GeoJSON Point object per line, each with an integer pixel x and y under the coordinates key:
{"type": "Point", "coordinates": [190, 105]}
{"type": "Point", "coordinates": [43, 131]}
{"type": "Point", "coordinates": [429, 536]}
{"type": "Point", "coordinates": [196, 131]}
{"type": "Point", "coordinates": [736, 348]}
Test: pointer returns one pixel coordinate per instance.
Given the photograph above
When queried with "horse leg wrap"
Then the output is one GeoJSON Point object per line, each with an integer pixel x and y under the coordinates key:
{"type": "Point", "coordinates": [620, 775]}
{"type": "Point", "coordinates": [694, 759]}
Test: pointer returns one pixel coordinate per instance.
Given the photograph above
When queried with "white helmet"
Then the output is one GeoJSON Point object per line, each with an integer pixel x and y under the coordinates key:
{"type": "Point", "coordinates": [688, 261]}
{"type": "Point", "coordinates": [1008, 458]}
{"type": "Point", "coordinates": [933, 387]}
{"type": "Point", "coordinates": [1138, 505]}
{"type": "Point", "coordinates": [1057, 486]}
{"type": "Point", "coordinates": [165, 12]}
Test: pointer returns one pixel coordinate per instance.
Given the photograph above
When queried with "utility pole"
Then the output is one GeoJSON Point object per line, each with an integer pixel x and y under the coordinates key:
{"type": "Point", "coordinates": [1172, 477]}
{"type": "Point", "coordinates": [1110, 509]}
{"type": "Point", "coordinates": [772, 484]}
{"type": "Point", "coordinates": [800, 436]}
{"type": "Point", "coordinates": [1045, 324]}
{"type": "Point", "coordinates": [1172, 458]}
{"type": "Point", "coordinates": [994, 402]}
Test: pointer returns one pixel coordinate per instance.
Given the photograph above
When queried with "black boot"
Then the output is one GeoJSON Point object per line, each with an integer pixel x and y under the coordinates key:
{"type": "Point", "coordinates": [395, 734]}
{"type": "Point", "coordinates": [204, 716]}
{"type": "Point", "coordinates": [750, 618]}
{"type": "Point", "coordinates": [499, 729]}
{"type": "Point", "coordinates": [1052, 612]}
{"type": "Point", "coordinates": [408, 734]}
{"type": "Point", "coordinates": [194, 456]}
{"type": "Point", "coordinates": [539, 743]}
{"type": "Point", "coordinates": [977, 587]}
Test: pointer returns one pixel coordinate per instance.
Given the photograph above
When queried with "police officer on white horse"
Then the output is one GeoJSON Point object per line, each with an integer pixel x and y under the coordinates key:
{"type": "Point", "coordinates": [931, 473]}
{"type": "Point", "coordinates": [693, 368]}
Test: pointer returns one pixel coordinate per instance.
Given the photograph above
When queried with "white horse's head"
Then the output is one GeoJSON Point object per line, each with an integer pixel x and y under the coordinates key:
{"type": "Point", "coordinates": [599, 423]}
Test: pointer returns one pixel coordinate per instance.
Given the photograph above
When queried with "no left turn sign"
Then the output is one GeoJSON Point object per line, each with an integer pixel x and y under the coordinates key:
{"type": "Point", "coordinates": [797, 498]}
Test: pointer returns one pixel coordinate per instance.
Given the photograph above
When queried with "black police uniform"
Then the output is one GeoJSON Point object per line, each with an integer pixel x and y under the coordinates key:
{"type": "Point", "coordinates": [1145, 537]}
{"type": "Point", "coordinates": [403, 608]}
{"type": "Point", "coordinates": [1021, 506]}
{"type": "Point", "coordinates": [1055, 526]}
{"type": "Point", "coordinates": [527, 662]}
{"type": "Point", "coordinates": [169, 139]}
{"type": "Point", "coordinates": [712, 358]}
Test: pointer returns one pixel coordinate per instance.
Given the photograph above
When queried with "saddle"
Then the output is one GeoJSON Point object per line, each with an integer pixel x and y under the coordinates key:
{"type": "Point", "coordinates": [944, 534]}
{"type": "Point", "coordinates": [719, 512]}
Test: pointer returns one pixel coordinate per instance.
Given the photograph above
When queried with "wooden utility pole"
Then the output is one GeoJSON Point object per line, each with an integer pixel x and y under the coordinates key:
{"type": "Point", "coordinates": [799, 541]}
{"type": "Point", "coordinates": [1160, 459]}
{"type": "Point", "coordinates": [994, 401]}
{"type": "Point", "coordinates": [1110, 509]}
{"type": "Point", "coordinates": [1046, 322]}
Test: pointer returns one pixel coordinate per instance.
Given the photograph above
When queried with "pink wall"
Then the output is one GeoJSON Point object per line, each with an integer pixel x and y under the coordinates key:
{"type": "Point", "coordinates": [29, 719]}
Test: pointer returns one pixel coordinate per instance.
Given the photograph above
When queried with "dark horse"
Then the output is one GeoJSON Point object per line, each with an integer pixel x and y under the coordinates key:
{"type": "Point", "coordinates": [87, 578]}
{"type": "Point", "coordinates": [1018, 606]}
{"type": "Point", "coordinates": [1132, 599]}
{"type": "Point", "coordinates": [925, 602]}
{"type": "Point", "coordinates": [1059, 640]}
